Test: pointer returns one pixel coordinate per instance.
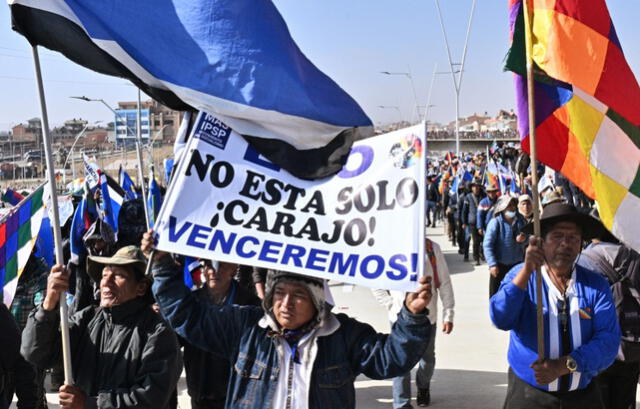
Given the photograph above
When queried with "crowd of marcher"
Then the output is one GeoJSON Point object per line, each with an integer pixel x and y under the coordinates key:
{"type": "Point", "coordinates": [251, 338]}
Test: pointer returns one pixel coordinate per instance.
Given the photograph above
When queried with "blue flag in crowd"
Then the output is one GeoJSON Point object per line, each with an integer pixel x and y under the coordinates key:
{"type": "Point", "coordinates": [257, 80]}
{"type": "Point", "coordinates": [85, 214]}
{"type": "Point", "coordinates": [154, 201]}
{"type": "Point", "coordinates": [127, 185]}
{"type": "Point", "coordinates": [168, 168]}
{"type": "Point", "coordinates": [44, 244]}
{"type": "Point", "coordinates": [112, 199]}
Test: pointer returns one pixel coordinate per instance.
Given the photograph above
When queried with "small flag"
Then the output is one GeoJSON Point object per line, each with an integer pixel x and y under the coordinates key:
{"type": "Point", "coordinates": [126, 183]}
{"type": "Point", "coordinates": [112, 199]}
{"type": "Point", "coordinates": [18, 233]}
{"type": "Point", "coordinates": [154, 201]}
{"type": "Point", "coordinates": [12, 197]}
{"type": "Point", "coordinates": [85, 214]}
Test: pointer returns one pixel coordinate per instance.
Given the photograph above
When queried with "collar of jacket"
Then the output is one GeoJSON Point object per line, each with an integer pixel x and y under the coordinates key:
{"type": "Point", "coordinates": [122, 311]}
{"type": "Point", "coordinates": [328, 324]}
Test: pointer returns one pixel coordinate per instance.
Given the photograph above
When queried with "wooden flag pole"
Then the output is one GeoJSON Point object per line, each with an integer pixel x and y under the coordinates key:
{"type": "Point", "coordinates": [528, 33]}
{"type": "Point", "coordinates": [57, 236]}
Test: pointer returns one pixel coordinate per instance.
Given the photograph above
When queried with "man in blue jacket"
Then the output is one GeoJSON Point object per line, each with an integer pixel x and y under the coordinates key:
{"type": "Point", "coordinates": [293, 352]}
{"type": "Point", "coordinates": [580, 326]}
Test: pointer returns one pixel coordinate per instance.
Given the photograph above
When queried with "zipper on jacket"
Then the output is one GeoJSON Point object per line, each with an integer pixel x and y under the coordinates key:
{"type": "Point", "coordinates": [290, 382]}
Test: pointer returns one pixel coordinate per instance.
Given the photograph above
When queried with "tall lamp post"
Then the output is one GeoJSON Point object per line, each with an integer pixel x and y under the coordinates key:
{"type": "Point", "coordinates": [457, 69]}
{"type": "Point", "coordinates": [69, 155]}
{"type": "Point", "coordinates": [397, 108]}
{"type": "Point", "coordinates": [413, 89]}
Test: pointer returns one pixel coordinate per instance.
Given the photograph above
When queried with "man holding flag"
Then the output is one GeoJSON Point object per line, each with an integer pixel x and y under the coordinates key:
{"type": "Point", "coordinates": [582, 335]}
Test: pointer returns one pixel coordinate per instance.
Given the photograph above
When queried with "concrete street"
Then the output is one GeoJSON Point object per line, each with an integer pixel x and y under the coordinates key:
{"type": "Point", "coordinates": [471, 361]}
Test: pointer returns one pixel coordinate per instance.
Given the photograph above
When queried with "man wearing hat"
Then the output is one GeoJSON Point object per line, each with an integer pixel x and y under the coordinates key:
{"type": "Point", "coordinates": [123, 355]}
{"type": "Point", "coordinates": [485, 208]}
{"type": "Point", "coordinates": [293, 352]}
{"type": "Point", "coordinates": [525, 207]}
{"type": "Point", "coordinates": [470, 218]}
{"type": "Point", "coordinates": [581, 332]}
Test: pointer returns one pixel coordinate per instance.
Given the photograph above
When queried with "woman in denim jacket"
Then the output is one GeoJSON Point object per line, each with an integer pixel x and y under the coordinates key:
{"type": "Point", "coordinates": [293, 352]}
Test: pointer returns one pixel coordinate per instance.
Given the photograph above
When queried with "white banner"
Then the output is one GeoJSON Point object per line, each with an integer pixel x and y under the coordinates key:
{"type": "Point", "coordinates": [363, 226]}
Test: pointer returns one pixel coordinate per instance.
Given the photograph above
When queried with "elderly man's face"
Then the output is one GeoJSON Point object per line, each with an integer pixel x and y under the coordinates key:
{"type": "Point", "coordinates": [562, 244]}
{"type": "Point", "coordinates": [119, 285]}
{"type": "Point", "coordinates": [220, 278]}
{"type": "Point", "coordinates": [292, 305]}
{"type": "Point", "coordinates": [492, 194]}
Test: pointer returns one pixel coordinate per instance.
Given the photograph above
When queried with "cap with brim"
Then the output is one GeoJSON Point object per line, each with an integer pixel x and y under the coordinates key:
{"type": "Point", "coordinates": [126, 256]}
{"type": "Point", "coordinates": [524, 198]}
{"type": "Point", "coordinates": [491, 188]}
{"type": "Point", "coordinates": [562, 212]}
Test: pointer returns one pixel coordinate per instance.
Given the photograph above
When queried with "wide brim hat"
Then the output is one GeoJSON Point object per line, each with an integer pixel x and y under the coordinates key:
{"type": "Point", "coordinates": [563, 212]}
{"type": "Point", "coordinates": [491, 188]}
{"type": "Point", "coordinates": [126, 256]}
{"type": "Point", "coordinates": [503, 203]}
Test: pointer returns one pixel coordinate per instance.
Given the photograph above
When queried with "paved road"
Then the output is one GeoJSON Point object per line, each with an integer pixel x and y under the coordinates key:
{"type": "Point", "coordinates": [471, 361]}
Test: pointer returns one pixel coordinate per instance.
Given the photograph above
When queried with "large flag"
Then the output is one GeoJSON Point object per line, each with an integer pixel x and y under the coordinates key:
{"type": "Point", "coordinates": [234, 59]}
{"type": "Point", "coordinates": [18, 233]}
{"type": "Point", "coordinates": [586, 103]}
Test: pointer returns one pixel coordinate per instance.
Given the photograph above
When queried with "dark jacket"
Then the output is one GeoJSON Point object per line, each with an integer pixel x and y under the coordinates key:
{"type": "Point", "coordinates": [122, 357]}
{"type": "Point", "coordinates": [345, 348]}
{"type": "Point", "coordinates": [470, 209]}
{"type": "Point", "coordinates": [208, 374]}
{"type": "Point", "coordinates": [10, 341]}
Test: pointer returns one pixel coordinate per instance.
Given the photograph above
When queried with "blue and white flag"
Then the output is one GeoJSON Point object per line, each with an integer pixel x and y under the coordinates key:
{"type": "Point", "coordinates": [234, 59]}
{"type": "Point", "coordinates": [126, 183]}
{"type": "Point", "coordinates": [154, 201]}
{"type": "Point", "coordinates": [112, 199]}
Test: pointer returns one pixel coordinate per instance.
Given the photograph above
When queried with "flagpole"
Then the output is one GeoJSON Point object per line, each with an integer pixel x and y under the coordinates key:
{"type": "Point", "coordinates": [140, 168]}
{"type": "Point", "coordinates": [534, 165]}
{"type": "Point", "coordinates": [57, 236]}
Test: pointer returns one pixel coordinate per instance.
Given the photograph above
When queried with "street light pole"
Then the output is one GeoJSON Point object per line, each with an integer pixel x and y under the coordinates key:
{"type": "Point", "coordinates": [413, 89]}
{"type": "Point", "coordinates": [392, 107]}
{"type": "Point", "coordinates": [457, 80]}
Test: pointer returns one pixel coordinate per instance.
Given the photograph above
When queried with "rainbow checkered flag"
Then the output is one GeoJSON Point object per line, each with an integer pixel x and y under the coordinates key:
{"type": "Point", "coordinates": [18, 233]}
{"type": "Point", "coordinates": [587, 105]}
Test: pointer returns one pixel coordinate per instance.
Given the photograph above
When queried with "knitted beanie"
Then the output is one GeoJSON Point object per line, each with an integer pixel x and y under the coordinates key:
{"type": "Point", "coordinates": [314, 285]}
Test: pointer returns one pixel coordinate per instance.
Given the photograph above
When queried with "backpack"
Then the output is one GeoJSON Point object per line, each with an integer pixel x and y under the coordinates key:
{"type": "Point", "coordinates": [624, 278]}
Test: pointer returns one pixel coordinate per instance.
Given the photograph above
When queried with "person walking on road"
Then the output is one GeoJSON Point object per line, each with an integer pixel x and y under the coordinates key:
{"type": "Point", "coordinates": [582, 335]}
{"type": "Point", "coordinates": [436, 267]}
{"type": "Point", "coordinates": [504, 241]}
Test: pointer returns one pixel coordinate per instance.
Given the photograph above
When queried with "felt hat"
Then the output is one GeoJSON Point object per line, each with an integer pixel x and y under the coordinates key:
{"type": "Point", "coordinates": [562, 212]}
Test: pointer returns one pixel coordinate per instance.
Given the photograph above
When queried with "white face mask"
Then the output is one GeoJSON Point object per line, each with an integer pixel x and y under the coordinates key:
{"type": "Point", "coordinates": [510, 214]}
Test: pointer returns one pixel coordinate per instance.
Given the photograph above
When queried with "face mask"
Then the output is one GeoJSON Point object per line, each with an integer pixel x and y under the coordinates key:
{"type": "Point", "coordinates": [510, 214]}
